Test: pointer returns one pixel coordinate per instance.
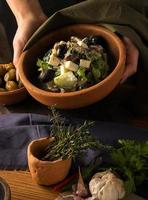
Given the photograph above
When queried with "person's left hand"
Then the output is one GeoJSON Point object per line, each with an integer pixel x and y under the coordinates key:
{"type": "Point", "coordinates": [132, 55]}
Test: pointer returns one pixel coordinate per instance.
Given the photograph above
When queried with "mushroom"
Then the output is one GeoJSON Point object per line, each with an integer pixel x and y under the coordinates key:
{"type": "Point", "coordinates": [106, 186]}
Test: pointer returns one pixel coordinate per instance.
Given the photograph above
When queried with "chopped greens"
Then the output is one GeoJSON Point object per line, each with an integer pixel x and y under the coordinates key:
{"type": "Point", "coordinates": [85, 62]}
{"type": "Point", "coordinates": [43, 65]}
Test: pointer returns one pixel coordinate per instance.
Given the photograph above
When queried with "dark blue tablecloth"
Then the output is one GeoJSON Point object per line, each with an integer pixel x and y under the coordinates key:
{"type": "Point", "coordinates": [18, 130]}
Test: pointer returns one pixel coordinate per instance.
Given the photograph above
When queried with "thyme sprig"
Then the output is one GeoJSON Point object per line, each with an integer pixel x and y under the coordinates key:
{"type": "Point", "coordinates": [69, 139]}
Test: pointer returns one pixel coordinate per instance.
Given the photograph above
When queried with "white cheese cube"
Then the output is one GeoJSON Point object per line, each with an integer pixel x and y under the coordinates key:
{"type": "Point", "coordinates": [53, 60]}
{"type": "Point", "coordinates": [85, 63]}
{"type": "Point", "coordinates": [54, 51]}
{"type": "Point", "coordinates": [82, 44]}
{"type": "Point", "coordinates": [63, 69]}
{"type": "Point", "coordinates": [71, 66]}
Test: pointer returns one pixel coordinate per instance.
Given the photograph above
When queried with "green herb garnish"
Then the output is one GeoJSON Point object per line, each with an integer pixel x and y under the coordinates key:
{"type": "Point", "coordinates": [69, 140]}
{"type": "Point", "coordinates": [130, 160]}
{"type": "Point", "coordinates": [43, 65]}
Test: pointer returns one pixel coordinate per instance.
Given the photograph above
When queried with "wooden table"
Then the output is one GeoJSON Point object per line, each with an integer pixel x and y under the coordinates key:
{"type": "Point", "coordinates": [23, 188]}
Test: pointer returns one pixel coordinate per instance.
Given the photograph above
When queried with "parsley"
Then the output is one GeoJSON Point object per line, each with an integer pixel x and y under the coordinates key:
{"type": "Point", "coordinates": [130, 160]}
{"type": "Point", "coordinates": [43, 65]}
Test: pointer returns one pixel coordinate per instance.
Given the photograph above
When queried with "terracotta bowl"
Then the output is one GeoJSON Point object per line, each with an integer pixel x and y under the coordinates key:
{"type": "Point", "coordinates": [45, 172]}
{"type": "Point", "coordinates": [14, 96]}
{"type": "Point", "coordinates": [84, 97]}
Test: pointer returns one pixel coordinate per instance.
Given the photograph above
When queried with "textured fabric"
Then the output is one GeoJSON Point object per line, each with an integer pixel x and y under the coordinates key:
{"type": "Point", "coordinates": [18, 130]}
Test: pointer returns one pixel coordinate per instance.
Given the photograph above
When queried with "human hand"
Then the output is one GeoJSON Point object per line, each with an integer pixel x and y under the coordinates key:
{"type": "Point", "coordinates": [132, 55]}
{"type": "Point", "coordinates": [24, 31]}
{"type": "Point", "coordinates": [29, 16]}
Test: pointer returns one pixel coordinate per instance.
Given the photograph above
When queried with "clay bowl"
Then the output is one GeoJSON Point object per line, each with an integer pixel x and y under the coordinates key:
{"type": "Point", "coordinates": [14, 96]}
{"type": "Point", "coordinates": [45, 172]}
{"type": "Point", "coordinates": [84, 97]}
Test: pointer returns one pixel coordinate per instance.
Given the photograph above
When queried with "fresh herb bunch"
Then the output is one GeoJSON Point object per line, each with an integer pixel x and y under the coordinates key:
{"type": "Point", "coordinates": [130, 160]}
{"type": "Point", "coordinates": [69, 140]}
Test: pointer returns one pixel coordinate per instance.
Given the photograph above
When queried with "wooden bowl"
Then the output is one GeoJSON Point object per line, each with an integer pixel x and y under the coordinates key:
{"type": "Point", "coordinates": [14, 96]}
{"type": "Point", "coordinates": [84, 97]}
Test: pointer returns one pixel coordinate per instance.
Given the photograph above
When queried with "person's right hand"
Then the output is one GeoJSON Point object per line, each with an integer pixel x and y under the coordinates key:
{"type": "Point", "coordinates": [24, 31]}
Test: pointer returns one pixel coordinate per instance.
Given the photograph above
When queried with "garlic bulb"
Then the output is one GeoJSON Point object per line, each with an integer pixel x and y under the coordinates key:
{"type": "Point", "coordinates": [106, 186]}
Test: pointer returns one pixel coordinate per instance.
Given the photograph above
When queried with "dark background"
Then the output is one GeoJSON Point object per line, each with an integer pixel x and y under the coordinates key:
{"type": "Point", "coordinates": [48, 6]}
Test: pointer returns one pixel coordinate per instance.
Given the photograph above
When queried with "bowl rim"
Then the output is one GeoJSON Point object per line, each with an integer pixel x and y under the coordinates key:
{"type": "Point", "coordinates": [16, 91]}
{"type": "Point", "coordinates": [38, 142]}
{"type": "Point", "coordinates": [116, 39]}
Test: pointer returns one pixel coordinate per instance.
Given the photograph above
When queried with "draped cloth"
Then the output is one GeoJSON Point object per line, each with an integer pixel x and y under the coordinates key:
{"type": "Point", "coordinates": [18, 130]}
{"type": "Point", "coordinates": [129, 18]}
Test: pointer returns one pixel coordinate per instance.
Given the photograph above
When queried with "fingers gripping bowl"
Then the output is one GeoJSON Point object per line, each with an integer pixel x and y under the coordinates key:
{"type": "Point", "coordinates": [80, 98]}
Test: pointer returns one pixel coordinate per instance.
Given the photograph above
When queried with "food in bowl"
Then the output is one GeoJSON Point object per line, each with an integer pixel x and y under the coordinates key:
{"type": "Point", "coordinates": [73, 65]}
{"type": "Point", "coordinates": [80, 98]}
{"type": "Point", "coordinates": [8, 80]}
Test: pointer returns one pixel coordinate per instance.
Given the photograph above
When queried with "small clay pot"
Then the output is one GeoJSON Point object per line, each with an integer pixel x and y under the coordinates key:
{"type": "Point", "coordinates": [46, 172]}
